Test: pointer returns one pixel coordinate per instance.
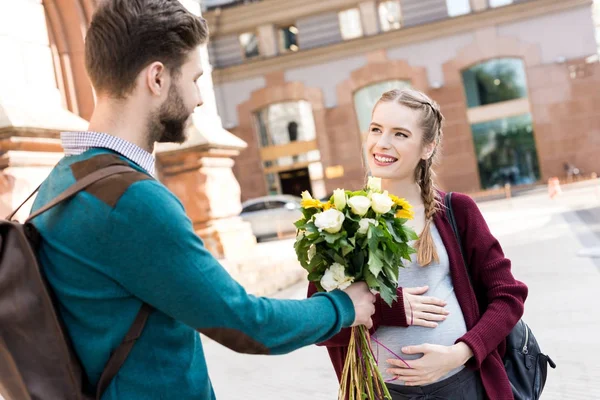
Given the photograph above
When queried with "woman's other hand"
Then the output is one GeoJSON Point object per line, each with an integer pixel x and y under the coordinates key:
{"type": "Point", "coordinates": [423, 310]}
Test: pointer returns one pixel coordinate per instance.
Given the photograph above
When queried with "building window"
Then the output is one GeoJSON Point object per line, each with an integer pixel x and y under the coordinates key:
{"type": "Point", "coordinates": [458, 7]}
{"type": "Point", "coordinates": [366, 97]}
{"type": "Point", "coordinates": [501, 125]}
{"type": "Point", "coordinates": [495, 81]}
{"type": "Point", "coordinates": [390, 16]}
{"type": "Point", "coordinates": [499, 3]}
{"type": "Point", "coordinates": [288, 39]}
{"type": "Point", "coordinates": [350, 24]}
{"type": "Point", "coordinates": [289, 150]}
{"type": "Point", "coordinates": [249, 42]}
{"type": "Point", "coordinates": [506, 152]}
{"type": "Point", "coordinates": [284, 123]}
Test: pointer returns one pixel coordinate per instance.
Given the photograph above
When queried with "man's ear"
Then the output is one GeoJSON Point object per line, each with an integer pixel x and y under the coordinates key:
{"type": "Point", "coordinates": [156, 78]}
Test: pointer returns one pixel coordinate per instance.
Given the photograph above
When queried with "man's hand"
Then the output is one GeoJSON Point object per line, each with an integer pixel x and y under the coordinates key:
{"type": "Point", "coordinates": [437, 362]}
{"type": "Point", "coordinates": [423, 310]}
{"type": "Point", "coordinates": [363, 301]}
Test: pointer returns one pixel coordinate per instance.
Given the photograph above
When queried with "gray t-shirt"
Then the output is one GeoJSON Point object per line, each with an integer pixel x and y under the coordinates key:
{"type": "Point", "coordinates": [437, 277]}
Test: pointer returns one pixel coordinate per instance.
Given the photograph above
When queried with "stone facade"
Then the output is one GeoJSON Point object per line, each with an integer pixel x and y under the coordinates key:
{"type": "Point", "coordinates": [562, 74]}
{"type": "Point", "coordinates": [45, 90]}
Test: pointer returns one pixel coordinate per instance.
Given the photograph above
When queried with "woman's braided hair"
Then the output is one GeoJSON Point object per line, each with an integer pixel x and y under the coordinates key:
{"type": "Point", "coordinates": [431, 123]}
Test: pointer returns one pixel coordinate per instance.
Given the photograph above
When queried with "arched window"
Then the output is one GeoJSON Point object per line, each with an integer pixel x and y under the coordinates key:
{"type": "Point", "coordinates": [366, 97]}
{"type": "Point", "coordinates": [289, 149]}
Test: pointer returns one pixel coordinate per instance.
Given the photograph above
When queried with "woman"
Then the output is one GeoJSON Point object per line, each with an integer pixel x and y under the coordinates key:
{"type": "Point", "coordinates": [452, 343]}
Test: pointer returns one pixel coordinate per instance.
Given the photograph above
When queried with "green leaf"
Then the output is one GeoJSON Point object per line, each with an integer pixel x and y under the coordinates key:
{"type": "Point", "coordinates": [339, 259]}
{"type": "Point", "coordinates": [357, 261]}
{"type": "Point", "coordinates": [331, 238]}
{"type": "Point", "coordinates": [373, 238]}
{"type": "Point", "coordinates": [371, 281]}
{"type": "Point", "coordinates": [410, 233]}
{"type": "Point", "coordinates": [394, 232]}
{"type": "Point", "coordinates": [300, 224]}
{"type": "Point", "coordinates": [357, 193]}
{"type": "Point", "coordinates": [315, 276]}
{"type": "Point", "coordinates": [375, 262]}
{"type": "Point", "coordinates": [391, 272]}
{"type": "Point", "coordinates": [388, 294]}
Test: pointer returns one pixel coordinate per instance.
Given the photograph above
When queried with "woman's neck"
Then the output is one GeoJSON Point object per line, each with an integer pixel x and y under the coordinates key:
{"type": "Point", "coordinates": [406, 188]}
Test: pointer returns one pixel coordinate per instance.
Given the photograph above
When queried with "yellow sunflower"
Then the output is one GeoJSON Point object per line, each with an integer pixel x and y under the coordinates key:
{"type": "Point", "coordinates": [311, 203]}
{"type": "Point", "coordinates": [327, 206]}
{"type": "Point", "coordinates": [404, 209]}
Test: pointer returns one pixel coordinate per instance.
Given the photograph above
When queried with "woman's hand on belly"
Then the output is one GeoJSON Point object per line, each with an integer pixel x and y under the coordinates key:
{"type": "Point", "coordinates": [423, 310]}
{"type": "Point", "coordinates": [437, 362]}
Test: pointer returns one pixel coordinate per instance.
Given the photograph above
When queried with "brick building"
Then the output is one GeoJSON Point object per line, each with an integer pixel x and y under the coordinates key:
{"type": "Point", "coordinates": [518, 82]}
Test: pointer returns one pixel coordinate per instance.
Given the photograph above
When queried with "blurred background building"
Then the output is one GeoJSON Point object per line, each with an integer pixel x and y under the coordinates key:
{"type": "Point", "coordinates": [44, 89]}
{"type": "Point", "coordinates": [289, 87]}
{"type": "Point", "coordinates": [518, 82]}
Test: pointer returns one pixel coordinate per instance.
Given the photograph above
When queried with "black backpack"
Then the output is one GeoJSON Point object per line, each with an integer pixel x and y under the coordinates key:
{"type": "Point", "coordinates": [525, 364]}
{"type": "Point", "coordinates": [37, 361]}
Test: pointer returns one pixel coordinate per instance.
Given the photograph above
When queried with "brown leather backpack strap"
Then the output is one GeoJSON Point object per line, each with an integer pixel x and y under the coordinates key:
{"type": "Point", "coordinates": [12, 214]}
{"type": "Point", "coordinates": [77, 187]}
{"type": "Point", "coordinates": [120, 354]}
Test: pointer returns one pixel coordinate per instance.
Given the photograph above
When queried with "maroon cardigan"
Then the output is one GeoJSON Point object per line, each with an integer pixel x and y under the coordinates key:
{"type": "Point", "coordinates": [501, 298]}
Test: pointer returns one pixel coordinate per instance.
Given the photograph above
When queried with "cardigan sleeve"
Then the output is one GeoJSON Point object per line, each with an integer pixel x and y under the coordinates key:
{"type": "Point", "coordinates": [492, 278]}
{"type": "Point", "coordinates": [384, 315]}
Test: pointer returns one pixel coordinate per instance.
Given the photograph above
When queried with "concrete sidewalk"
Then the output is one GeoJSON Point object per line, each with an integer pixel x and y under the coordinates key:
{"type": "Point", "coordinates": [543, 238]}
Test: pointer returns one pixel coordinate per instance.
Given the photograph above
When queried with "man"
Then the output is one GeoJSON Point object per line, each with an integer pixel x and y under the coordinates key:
{"type": "Point", "coordinates": [127, 241]}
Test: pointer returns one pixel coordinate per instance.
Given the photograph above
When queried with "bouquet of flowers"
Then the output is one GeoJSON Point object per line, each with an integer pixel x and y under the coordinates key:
{"type": "Point", "coordinates": [356, 236]}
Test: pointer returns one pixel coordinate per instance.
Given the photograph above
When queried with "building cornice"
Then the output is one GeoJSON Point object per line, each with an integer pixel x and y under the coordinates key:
{"type": "Point", "coordinates": [247, 17]}
{"type": "Point", "coordinates": [444, 28]}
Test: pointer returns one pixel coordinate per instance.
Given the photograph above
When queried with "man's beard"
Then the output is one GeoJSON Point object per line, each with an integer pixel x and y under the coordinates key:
{"type": "Point", "coordinates": [169, 126]}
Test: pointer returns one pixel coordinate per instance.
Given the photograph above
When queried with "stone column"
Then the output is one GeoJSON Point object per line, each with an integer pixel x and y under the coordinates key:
{"type": "Point", "coordinates": [199, 172]}
{"type": "Point", "coordinates": [370, 17]}
{"type": "Point", "coordinates": [31, 111]}
{"type": "Point", "coordinates": [268, 40]}
{"type": "Point", "coordinates": [479, 5]}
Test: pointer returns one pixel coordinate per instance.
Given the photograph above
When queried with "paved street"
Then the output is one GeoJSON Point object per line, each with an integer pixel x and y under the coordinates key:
{"type": "Point", "coordinates": [551, 243]}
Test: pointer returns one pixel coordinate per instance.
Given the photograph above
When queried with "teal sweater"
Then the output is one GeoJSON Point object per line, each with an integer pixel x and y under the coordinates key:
{"type": "Point", "coordinates": [128, 241]}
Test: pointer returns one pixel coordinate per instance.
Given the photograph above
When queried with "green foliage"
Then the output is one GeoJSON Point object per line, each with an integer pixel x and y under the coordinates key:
{"type": "Point", "coordinates": [375, 257]}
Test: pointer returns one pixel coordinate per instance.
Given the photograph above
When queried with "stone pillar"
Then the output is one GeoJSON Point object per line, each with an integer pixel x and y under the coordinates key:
{"type": "Point", "coordinates": [24, 164]}
{"type": "Point", "coordinates": [199, 172]}
{"type": "Point", "coordinates": [268, 41]}
{"type": "Point", "coordinates": [370, 17]}
{"type": "Point", "coordinates": [202, 178]}
{"type": "Point", "coordinates": [31, 111]}
{"type": "Point", "coordinates": [479, 5]}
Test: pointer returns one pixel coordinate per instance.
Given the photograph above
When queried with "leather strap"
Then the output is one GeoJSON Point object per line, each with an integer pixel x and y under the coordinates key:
{"type": "Point", "coordinates": [452, 220]}
{"type": "Point", "coordinates": [75, 188]}
{"type": "Point", "coordinates": [120, 354]}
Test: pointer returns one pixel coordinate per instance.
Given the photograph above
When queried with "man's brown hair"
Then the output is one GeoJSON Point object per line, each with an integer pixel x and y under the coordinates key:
{"type": "Point", "coordinates": [125, 36]}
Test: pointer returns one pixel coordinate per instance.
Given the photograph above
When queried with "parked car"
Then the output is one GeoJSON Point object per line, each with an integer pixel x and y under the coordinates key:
{"type": "Point", "coordinates": [272, 215]}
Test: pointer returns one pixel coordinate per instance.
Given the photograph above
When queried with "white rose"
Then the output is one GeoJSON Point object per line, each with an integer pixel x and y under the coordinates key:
{"type": "Point", "coordinates": [381, 202]}
{"type": "Point", "coordinates": [374, 184]}
{"type": "Point", "coordinates": [328, 281]}
{"type": "Point", "coordinates": [330, 221]}
{"type": "Point", "coordinates": [339, 199]}
{"type": "Point", "coordinates": [363, 225]}
{"type": "Point", "coordinates": [335, 278]}
{"type": "Point", "coordinates": [306, 196]}
{"type": "Point", "coordinates": [359, 205]}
